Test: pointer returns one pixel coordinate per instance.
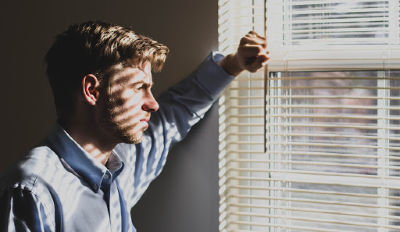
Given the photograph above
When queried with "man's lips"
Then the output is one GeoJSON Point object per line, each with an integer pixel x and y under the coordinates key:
{"type": "Point", "coordinates": [145, 119]}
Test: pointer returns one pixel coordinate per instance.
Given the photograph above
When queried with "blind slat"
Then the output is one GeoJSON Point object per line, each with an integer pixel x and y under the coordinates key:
{"type": "Point", "coordinates": [300, 227]}
{"type": "Point", "coordinates": [310, 163]}
{"type": "Point", "coordinates": [356, 180]}
{"type": "Point", "coordinates": [310, 219]}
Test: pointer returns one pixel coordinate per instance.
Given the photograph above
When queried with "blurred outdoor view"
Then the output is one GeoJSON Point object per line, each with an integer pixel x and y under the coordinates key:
{"type": "Point", "coordinates": [338, 130]}
{"type": "Point", "coordinates": [338, 122]}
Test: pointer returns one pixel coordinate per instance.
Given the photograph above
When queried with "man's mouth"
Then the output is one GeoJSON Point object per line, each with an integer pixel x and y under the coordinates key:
{"type": "Point", "coordinates": [144, 120]}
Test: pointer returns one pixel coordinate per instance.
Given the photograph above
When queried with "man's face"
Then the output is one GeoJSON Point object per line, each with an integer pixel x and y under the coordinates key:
{"type": "Point", "coordinates": [128, 103]}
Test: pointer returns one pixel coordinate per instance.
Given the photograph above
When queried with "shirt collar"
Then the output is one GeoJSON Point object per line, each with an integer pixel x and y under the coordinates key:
{"type": "Point", "coordinates": [80, 162]}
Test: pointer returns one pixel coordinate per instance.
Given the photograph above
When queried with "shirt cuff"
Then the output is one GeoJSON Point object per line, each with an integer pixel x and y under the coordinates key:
{"type": "Point", "coordinates": [212, 77]}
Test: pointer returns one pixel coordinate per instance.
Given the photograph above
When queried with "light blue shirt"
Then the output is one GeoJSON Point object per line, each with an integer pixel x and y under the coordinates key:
{"type": "Point", "coordinates": [59, 187]}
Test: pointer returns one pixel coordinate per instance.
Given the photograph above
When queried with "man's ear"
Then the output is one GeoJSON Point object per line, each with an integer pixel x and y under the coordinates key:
{"type": "Point", "coordinates": [90, 89]}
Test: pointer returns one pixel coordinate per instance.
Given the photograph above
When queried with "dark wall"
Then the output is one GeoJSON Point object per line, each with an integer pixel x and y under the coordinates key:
{"type": "Point", "coordinates": [185, 196]}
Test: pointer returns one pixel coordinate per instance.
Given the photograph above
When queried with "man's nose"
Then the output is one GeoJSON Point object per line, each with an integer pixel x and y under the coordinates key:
{"type": "Point", "coordinates": [150, 104]}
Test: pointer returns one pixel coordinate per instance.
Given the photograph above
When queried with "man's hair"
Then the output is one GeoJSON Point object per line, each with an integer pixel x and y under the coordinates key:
{"type": "Point", "coordinates": [93, 48]}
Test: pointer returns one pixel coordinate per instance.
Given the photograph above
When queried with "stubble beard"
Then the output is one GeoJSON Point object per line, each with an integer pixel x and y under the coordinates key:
{"type": "Point", "coordinates": [121, 131]}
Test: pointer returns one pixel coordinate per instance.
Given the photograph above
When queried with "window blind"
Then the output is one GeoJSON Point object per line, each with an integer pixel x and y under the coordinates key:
{"type": "Point", "coordinates": [312, 142]}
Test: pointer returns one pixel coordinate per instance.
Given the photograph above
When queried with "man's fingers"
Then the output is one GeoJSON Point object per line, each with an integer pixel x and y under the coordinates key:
{"type": "Point", "coordinates": [257, 63]}
{"type": "Point", "coordinates": [253, 40]}
{"type": "Point", "coordinates": [252, 50]}
{"type": "Point", "coordinates": [253, 33]}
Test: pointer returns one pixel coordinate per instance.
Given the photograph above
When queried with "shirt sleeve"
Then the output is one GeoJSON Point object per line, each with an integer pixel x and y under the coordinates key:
{"type": "Point", "coordinates": [181, 107]}
{"type": "Point", "coordinates": [20, 210]}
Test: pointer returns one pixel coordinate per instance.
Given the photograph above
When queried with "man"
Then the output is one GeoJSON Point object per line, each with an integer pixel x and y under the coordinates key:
{"type": "Point", "coordinates": [105, 149]}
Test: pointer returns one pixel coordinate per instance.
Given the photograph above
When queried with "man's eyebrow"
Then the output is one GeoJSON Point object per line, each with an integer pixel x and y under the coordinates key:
{"type": "Point", "coordinates": [143, 82]}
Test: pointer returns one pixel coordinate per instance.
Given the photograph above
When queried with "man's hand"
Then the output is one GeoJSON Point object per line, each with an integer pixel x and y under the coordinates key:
{"type": "Point", "coordinates": [251, 55]}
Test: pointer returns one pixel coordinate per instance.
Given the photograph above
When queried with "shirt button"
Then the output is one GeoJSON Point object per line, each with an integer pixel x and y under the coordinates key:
{"type": "Point", "coordinates": [107, 178]}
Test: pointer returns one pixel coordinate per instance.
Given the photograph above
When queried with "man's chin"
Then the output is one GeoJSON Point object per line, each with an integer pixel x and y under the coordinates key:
{"type": "Point", "coordinates": [132, 139]}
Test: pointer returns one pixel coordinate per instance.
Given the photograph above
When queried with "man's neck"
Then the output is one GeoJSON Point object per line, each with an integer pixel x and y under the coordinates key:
{"type": "Point", "coordinates": [91, 140]}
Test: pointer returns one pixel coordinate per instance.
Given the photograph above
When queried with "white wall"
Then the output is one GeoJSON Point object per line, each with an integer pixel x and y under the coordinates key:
{"type": "Point", "coordinates": [185, 196]}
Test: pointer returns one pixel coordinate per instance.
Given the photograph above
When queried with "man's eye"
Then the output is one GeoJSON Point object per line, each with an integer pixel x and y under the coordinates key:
{"type": "Point", "coordinates": [140, 86]}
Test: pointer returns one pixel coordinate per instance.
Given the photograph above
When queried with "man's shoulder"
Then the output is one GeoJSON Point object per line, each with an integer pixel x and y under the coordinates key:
{"type": "Point", "coordinates": [32, 170]}
{"type": "Point", "coordinates": [27, 185]}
